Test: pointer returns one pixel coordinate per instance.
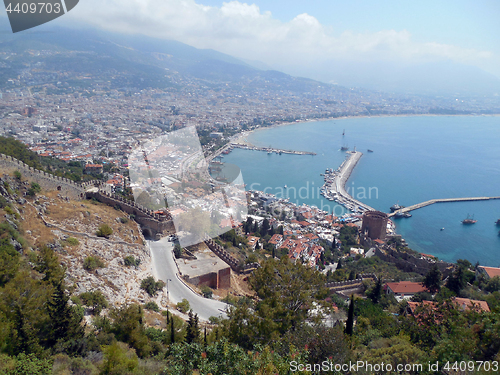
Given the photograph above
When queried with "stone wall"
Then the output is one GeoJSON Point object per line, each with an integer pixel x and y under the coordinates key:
{"type": "Point", "coordinates": [214, 280]}
{"type": "Point", "coordinates": [46, 180]}
{"type": "Point", "coordinates": [224, 278]}
{"type": "Point", "coordinates": [150, 222]}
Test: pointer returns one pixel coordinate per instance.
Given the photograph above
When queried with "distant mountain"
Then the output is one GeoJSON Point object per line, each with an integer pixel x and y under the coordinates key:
{"type": "Point", "coordinates": [137, 61]}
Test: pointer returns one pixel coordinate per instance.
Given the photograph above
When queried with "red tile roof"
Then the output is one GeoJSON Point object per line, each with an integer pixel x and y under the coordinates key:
{"type": "Point", "coordinates": [491, 271]}
{"type": "Point", "coordinates": [406, 287]}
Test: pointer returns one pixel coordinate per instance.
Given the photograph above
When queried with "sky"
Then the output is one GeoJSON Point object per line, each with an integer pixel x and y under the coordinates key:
{"type": "Point", "coordinates": [292, 35]}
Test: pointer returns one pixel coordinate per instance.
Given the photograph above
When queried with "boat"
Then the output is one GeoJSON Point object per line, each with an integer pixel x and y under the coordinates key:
{"type": "Point", "coordinates": [498, 222]}
{"type": "Point", "coordinates": [396, 207]}
{"type": "Point", "coordinates": [442, 229]}
{"type": "Point", "coordinates": [344, 148]}
{"type": "Point", "coordinates": [406, 214]}
{"type": "Point", "coordinates": [286, 187]}
{"type": "Point", "coordinates": [469, 220]}
{"type": "Point", "coordinates": [370, 150]}
{"type": "Point", "coordinates": [343, 133]}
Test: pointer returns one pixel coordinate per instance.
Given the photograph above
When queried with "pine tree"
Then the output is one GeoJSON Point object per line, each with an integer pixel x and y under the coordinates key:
{"type": "Point", "coordinates": [350, 317]}
{"type": "Point", "coordinates": [193, 329]}
{"type": "Point", "coordinates": [64, 323]}
{"type": "Point", "coordinates": [172, 331]}
{"type": "Point", "coordinates": [432, 280]}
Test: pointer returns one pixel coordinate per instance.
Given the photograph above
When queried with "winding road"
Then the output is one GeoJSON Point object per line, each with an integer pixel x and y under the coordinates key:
{"type": "Point", "coordinates": [165, 268]}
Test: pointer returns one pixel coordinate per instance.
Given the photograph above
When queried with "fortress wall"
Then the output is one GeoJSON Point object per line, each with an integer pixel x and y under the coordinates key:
{"type": "Point", "coordinates": [46, 180]}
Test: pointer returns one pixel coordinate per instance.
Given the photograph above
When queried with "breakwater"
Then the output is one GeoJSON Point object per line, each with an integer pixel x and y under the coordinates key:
{"type": "Point", "coordinates": [334, 187]}
{"type": "Point", "coordinates": [270, 150]}
{"type": "Point", "coordinates": [445, 200]}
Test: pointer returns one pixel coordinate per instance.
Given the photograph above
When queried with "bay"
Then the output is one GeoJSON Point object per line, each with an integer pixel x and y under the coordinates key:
{"type": "Point", "coordinates": [414, 159]}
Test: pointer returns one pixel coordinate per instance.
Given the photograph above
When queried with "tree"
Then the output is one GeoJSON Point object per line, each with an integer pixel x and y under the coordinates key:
{"type": "Point", "coordinates": [183, 306]}
{"type": "Point", "coordinates": [193, 329]}
{"type": "Point", "coordinates": [119, 360]}
{"type": "Point", "coordinates": [286, 291]}
{"type": "Point", "coordinates": [264, 228]}
{"type": "Point", "coordinates": [95, 300]}
{"type": "Point", "coordinates": [64, 321]}
{"type": "Point", "coordinates": [376, 292]}
{"type": "Point", "coordinates": [128, 327]}
{"type": "Point", "coordinates": [432, 280]}
{"type": "Point", "coordinates": [350, 317]}
{"type": "Point", "coordinates": [151, 286]}
{"type": "Point", "coordinates": [104, 231]}
{"type": "Point", "coordinates": [456, 281]}
{"type": "Point", "coordinates": [177, 250]}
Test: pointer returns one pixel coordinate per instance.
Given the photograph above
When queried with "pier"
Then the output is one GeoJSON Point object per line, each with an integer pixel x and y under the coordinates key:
{"type": "Point", "coordinates": [432, 201]}
{"type": "Point", "coordinates": [334, 187]}
{"type": "Point", "coordinates": [271, 149]}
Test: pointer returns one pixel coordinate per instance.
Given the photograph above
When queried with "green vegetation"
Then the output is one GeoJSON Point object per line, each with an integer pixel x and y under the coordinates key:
{"type": "Point", "coordinates": [151, 286]}
{"type": "Point", "coordinates": [92, 263]}
{"type": "Point", "coordinates": [152, 306]}
{"type": "Point", "coordinates": [206, 291]}
{"type": "Point", "coordinates": [183, 306]}
{"type": "Point", "coordinates": [34, 189]}
{"type": "Point", "coordinates": [41, 331]}
{"type": "Point", "coordinates": [71, 241]}
{"type": "Point", "coordinates": [104, 231]}
{"type": "Point", "coordinates": [72, 170]}
{"type": "Point", "coordinates": [94, 300]}
{"type": "Point", "coordinates": [130, 261]}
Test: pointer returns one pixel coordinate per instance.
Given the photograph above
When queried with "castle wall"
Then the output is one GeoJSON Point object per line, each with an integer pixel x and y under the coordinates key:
{"type": "Point", "coordinates": [46, 180]}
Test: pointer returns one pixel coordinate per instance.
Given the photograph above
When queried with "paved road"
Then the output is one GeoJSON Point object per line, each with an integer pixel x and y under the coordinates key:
{"type": "Point", "coordinates": [164, 268]}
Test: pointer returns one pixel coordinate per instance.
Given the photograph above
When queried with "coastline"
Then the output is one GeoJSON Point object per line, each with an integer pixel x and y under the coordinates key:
{"type": "Point", "coordinates": [246, 133]}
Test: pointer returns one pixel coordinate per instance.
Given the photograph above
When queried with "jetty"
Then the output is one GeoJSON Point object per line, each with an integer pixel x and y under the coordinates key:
{"type": "Point", "coordinates": [432, 201]}
{"type": "Point", "coordinates": [334, 187]}
{"type": "Point", "coordinates": [271, 149]}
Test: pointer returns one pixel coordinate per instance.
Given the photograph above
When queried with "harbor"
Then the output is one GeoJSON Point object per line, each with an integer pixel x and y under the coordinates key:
{"type": "Point", "coordinates": [335, 181]}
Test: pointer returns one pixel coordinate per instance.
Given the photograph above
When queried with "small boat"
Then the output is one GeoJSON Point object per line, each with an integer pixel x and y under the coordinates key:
{"type": "Point", "coordinates": [497, 222]}
{"type": "Point", "coordinates": [370, 150]}
{"type": "Point", "coordinates": [469, 220]}
{"type": "Point", "coordinates": [442, 229]}
{"type": "Point", "coordinates": [344, 148]}
{"type": "Point", "coordinates": [286, 187]}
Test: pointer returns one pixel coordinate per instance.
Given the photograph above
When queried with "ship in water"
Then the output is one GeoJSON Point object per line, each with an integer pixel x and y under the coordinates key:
{"type": "Point", "coordinates": [370, 150]}
{"type": "Point", "coordinates": [344, 148]}
{"type": "Point", "coordinates": [396, 207]}
{"type": "Point", "coordinates": [498, 222]}
{"type": "Point", "coordinates": [469, 220]}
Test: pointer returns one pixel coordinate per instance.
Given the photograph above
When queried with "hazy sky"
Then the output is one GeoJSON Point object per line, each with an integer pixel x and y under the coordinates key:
{"type": "Point", "coordinates": [287, 33]}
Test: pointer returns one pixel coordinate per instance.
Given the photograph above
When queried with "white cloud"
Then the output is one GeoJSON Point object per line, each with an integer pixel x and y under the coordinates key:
{"type": "Point", "coordinates": [244, 31]}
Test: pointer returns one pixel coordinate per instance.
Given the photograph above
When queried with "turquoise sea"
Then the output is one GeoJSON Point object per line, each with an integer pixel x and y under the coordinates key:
{"type": "Point", "coordinates": [414, 159]}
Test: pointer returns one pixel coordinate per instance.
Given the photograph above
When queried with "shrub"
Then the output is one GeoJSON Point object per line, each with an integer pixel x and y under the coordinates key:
{"type": "Point", "coordinates": [177, 250]}
{"type": "Point", "coordinates": [151, 286]}
{"type": "Point", "coordinates": [72, 241]}
{"type": "Point", "coordinates": [183, 306]}
{"type": "Point", "coordinates": [206, 291]}
{"type": "Point", "coordinates": [95, 300]}
{"type": "Point", "coordinates": [130, 261]}
{"type": "Point", "coordinates": [123, 220]}
{"type": "Point", "coordinates": [92, 263]}
{"type": "Point", "coordinates": [104, 231]}
{"type": "Point", "coordinates": [151, 306]}
{"type": "Point", "coordinates": [18, 175]}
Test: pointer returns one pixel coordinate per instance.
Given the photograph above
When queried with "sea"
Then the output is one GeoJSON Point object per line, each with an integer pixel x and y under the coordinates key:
{"type": "Point", "coordinates": [414, 159]}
